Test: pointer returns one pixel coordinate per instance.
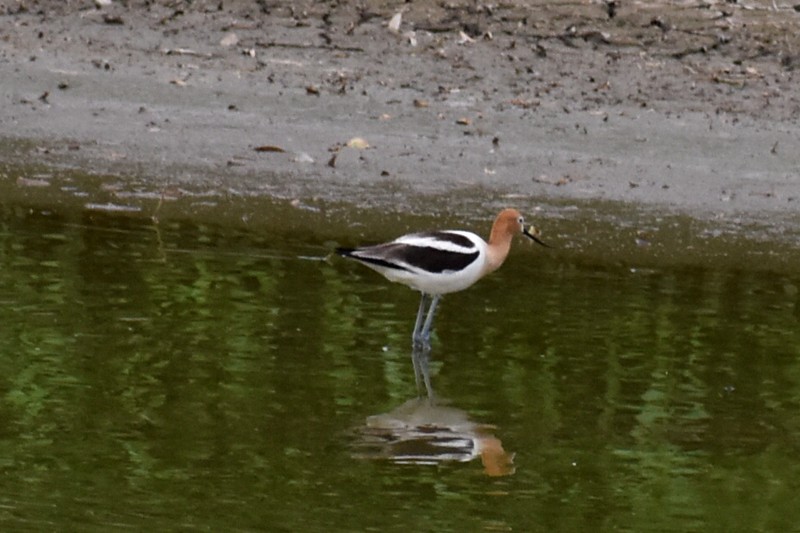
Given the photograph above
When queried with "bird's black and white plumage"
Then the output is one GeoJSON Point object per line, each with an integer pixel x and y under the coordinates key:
{"type": "Point", "coordinates": [436, 262]}
{"type": "Point", "coordinates": [440, 262]}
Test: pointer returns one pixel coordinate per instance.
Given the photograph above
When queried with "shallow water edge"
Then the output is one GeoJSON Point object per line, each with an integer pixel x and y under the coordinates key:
{"type": "Point", "coordinates": [597, 232]}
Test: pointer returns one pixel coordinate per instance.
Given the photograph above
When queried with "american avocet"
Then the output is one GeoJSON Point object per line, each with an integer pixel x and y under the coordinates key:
{"type": "Point", "coordinates": [441, 262]}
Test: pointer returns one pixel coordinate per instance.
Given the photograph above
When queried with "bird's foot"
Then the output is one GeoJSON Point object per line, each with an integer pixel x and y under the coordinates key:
{"type": "Point", "coordinates": [421, 342]}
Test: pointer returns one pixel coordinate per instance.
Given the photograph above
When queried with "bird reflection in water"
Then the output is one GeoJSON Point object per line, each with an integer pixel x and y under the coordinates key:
{"type": "Point", "coordinates": [424, 431]}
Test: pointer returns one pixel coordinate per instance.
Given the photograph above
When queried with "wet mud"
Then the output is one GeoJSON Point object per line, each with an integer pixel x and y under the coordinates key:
{"type": "Point", "coordinates": [604, 113]}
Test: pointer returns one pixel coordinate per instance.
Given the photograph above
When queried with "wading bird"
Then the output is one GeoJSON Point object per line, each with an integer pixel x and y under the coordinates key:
{"type": "Point", "coordinates": [441, 262]}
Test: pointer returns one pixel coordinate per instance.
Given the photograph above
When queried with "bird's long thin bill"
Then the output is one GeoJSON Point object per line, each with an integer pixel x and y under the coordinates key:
{"type": "Point", "coordinates": [533, 233]}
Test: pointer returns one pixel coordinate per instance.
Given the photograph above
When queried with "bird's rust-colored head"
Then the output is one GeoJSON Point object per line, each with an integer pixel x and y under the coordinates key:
{"type": "Point", "coordinates": [509, 223]}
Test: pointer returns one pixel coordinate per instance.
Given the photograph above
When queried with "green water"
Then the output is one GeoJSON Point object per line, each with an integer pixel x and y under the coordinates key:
{"type": "Point", "coordinates": [188, 377]}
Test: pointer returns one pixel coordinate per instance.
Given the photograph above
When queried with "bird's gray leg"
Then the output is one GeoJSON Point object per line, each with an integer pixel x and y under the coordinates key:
{"type": "Point", "coordinates": [421, 356]}
{"type": "Point", "coordinates": [425, 334]}
{"type": "Point", "coordinates": [415, 336]}
{"type": "Point", "coordinates": [418, 371]}
{"type": "Point", "coordinates": [421, 349]}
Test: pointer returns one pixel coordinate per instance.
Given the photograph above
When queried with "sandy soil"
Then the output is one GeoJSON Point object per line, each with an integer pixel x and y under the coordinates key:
{"type": "Point", "coordinates": [686, 107]}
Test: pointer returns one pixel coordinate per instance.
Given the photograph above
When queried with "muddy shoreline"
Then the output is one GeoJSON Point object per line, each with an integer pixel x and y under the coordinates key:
{"type": "Point", "coordinates": [570, 111]}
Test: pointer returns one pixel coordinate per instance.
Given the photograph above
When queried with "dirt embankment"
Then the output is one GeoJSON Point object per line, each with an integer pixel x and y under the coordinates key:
{"type": "Point", "coordinates": [688, 107]}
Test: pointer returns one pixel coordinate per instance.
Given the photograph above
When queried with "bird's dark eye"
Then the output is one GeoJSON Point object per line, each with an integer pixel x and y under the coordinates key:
{"type": "Point", "coordinates": [521, 220]}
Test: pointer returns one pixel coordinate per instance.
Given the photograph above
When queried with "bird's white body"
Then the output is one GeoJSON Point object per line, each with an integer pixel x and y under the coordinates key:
{"type": "Point", "coordinates": [412, 260]}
